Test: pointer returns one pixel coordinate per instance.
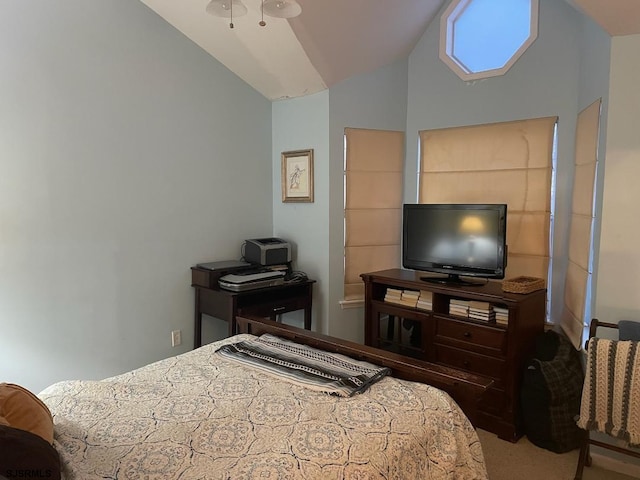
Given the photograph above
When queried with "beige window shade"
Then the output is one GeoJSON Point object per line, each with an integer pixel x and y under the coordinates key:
{"type": "Point", "coordinates": [508, 162]}
{"type": "Point", "coordinates": [579, 271]}
{"type": "Point", "coordinates": [373, 204]}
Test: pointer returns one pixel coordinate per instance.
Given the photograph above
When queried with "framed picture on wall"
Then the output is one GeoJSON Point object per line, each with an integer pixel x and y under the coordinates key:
{"type": "Point", "coordinates": [297, 176]}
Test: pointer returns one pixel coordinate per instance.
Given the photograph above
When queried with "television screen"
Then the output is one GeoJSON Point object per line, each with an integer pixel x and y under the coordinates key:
{"type": "Point", "coordinates": [455, 239]}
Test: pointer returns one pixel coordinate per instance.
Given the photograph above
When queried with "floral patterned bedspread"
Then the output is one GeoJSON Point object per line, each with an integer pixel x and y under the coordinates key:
{"type": "Point", "coordinates": [200, 416]}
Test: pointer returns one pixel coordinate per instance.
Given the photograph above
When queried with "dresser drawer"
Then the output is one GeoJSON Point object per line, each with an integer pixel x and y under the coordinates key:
{"type": "Point", "coordinates": [472, 362]}
{"type": "Point", "coordinates": [273, 308]}
{"type": "Point", "coordinates": [494, 402]}
{"type": "Point", "coordinates": [490, 340]}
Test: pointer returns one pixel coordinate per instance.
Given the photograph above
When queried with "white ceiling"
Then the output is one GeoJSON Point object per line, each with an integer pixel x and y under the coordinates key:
{"type": "Point", "coordinates": [332, 39]}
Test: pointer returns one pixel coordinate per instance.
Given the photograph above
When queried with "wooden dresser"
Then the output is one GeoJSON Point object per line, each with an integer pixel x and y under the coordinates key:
{"type": "Point", "coordinates": [495, 350]}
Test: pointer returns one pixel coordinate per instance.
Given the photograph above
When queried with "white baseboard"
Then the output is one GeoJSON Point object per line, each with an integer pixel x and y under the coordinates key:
{"type": "Point", "coordinates": [615, 465]}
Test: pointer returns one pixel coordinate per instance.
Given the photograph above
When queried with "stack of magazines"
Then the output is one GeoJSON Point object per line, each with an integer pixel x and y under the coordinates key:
{"type": "Point", "coordinates": [481, 311]}
{"type": "Point", "coordinates": [408, 298]}
{"type": "Point", "coordinates": [425, 300]}
{"type": "Point", "coordinates": [459, 307]}
{"type": "Point", "coordinates": [502, 315]}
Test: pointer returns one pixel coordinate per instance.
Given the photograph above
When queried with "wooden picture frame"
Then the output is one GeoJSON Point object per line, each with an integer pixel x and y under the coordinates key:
{"type": "Point", "coordinates": [297, 176]}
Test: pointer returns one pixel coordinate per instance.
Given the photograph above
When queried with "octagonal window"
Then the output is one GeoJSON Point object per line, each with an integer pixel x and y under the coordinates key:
{"type": "Point", "coordinates": [484, 38]}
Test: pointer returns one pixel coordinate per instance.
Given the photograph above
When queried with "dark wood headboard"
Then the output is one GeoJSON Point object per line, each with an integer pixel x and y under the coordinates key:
{"type": "Point", "coordinates": [464, 387]}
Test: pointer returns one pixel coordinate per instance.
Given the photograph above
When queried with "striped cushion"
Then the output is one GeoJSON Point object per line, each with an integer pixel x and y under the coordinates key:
{"type": "Point", "coordinates": [608, 405]}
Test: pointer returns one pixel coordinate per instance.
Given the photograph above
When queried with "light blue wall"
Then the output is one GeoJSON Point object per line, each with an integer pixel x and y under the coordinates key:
{"type": "Point", "coordinates": [619, 257]}
{"type": "Point", "coordinates": [424, 93]}
{"type": "Point", "coordinates": [543, 82]}
{"type": "Point", "coordinates": [373, 100]}
{"type": "Point", "coordinates": [127, 154]}
{"type": "Point", "coordinates": [376, 100]}
{"type": "Point", "coordinates": [595, 58]}
{"type": "Point", "coordinates": [300, 124]}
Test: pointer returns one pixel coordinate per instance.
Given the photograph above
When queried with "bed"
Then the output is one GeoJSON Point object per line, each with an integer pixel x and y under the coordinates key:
{"type": "Point", "coordinates": [201, 415]}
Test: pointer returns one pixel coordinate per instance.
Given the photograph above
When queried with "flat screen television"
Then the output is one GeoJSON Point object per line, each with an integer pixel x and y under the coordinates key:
{"type": "Point", "coordinates": [455, 239]}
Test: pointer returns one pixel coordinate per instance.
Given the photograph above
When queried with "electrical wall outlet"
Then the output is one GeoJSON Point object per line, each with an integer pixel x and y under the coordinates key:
{"type": "Point", "coordinates": [176, 338]}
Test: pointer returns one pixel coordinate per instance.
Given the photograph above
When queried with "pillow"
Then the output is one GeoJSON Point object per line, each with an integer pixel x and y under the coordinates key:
{"type": "Point", "coordinates": [19, 408]}
{"type": "Point", "coordinates": [26, 454]}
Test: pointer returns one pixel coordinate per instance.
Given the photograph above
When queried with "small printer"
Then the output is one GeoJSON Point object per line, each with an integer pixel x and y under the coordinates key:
{"type": "Point", "coordinates": [267, 251]}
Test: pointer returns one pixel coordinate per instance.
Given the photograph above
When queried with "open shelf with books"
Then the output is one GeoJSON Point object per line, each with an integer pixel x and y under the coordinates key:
{"type": "Point", "coordinates": [480, 329]}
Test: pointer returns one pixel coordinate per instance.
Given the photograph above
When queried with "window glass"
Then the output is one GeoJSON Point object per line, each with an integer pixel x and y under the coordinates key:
{"type": "Point", "coordinates": [483, 38]}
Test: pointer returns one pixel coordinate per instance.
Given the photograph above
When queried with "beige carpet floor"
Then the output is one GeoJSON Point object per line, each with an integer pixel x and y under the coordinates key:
{"type": "Point", "coordinates": [524, 461]}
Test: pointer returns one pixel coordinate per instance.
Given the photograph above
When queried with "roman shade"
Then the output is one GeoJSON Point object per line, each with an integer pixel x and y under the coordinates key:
{"type": "Point", "coordinates": [373, 204]}
{"type": "Point", "coordinates": [509, 162]}
{"type": "Point", "coordinates": [579, 270]}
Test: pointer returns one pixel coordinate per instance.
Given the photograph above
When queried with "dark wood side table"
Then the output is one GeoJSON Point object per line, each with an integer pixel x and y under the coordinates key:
{"type": "Point", "coordinates": [265, 302]}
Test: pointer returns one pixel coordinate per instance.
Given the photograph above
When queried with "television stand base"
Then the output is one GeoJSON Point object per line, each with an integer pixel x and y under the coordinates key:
{"type": "Point", "coordinates": [453, 279]}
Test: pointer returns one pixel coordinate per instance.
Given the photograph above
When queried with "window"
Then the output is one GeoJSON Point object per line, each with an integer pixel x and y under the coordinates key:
{"type": "Point", "coordinates": [373, 171]}
{"type": "Point", "coordinates": [576, 314]}
{"type": "Point", "coordinates": [484, 38]}
{"type": "Point", "coordinates": [509, 162]}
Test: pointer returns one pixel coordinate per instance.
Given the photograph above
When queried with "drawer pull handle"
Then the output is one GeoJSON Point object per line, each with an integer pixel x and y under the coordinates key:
{"type": "Point", "coordinates": [279, 309]}
{"type": "Point", "coordinates": [467, 334]}
{"type": "Point", "coordinates": [466, 363]}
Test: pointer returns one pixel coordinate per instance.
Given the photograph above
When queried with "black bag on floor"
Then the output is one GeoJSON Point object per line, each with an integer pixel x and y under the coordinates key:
{"type": "Point", "coordinates": [551, 393]}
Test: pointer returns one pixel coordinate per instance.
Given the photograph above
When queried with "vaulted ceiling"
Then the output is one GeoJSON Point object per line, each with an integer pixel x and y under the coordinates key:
{"type": "Point", "coordinates": [333, 39]}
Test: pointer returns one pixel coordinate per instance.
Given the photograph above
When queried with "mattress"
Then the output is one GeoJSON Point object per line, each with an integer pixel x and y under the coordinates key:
{"type": "Point", "coordinates": [202, 416]}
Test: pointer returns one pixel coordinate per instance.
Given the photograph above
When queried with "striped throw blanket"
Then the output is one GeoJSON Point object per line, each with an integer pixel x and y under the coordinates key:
{"type": "Point", "coordinates": [608, 403]}
{"type": "Point", "coordinates": [303, 365]}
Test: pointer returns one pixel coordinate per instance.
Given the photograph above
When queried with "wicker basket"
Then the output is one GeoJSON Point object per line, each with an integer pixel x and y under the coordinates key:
{"type": "Point", "coordinates": [522, 284]}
